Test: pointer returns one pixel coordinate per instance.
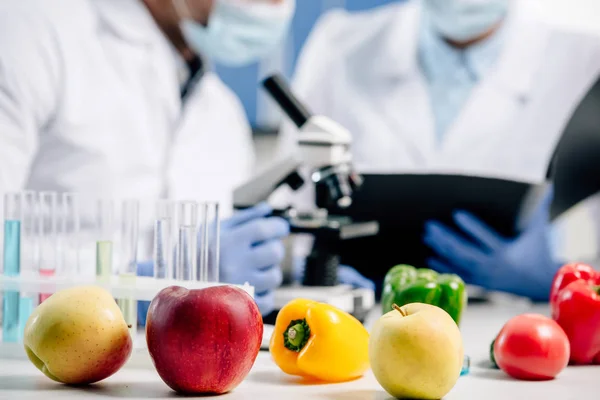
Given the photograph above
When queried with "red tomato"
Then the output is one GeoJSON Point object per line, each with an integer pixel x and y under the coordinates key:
{"type": "Point", "coordinates": [532, 347]}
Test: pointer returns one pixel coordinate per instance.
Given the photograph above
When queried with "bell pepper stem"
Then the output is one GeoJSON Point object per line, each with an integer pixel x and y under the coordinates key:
{"type": "Point", "coordinates": [401, 311]}
{"type": "Point", "coordinates": [296, 335]}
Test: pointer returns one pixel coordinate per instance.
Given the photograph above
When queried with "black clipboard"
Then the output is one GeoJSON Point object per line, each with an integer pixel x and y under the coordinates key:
{"type": "Point", "coordinates": [402, 204]}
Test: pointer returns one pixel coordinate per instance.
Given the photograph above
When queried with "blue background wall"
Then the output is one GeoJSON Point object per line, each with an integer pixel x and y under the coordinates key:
{"type": "Point", "coordinates": [245, 81]}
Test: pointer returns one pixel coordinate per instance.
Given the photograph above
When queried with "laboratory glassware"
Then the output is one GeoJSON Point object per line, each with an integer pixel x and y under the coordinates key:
{"type": "Point", "coordinates": [209, 234]}
{"type": "Point", "coordinates": [12, 264]}
{"type": "Point", "coordinates": [29, 255]}
{"type": "Point", "coordinates": [70, 234]}
{"type": "Point", "coordinates": [104, 238]}
{"type": "Point", "coordinates": [164, 240]}
{"type": "Point", "coordinates": [30, 246]}
{"type": "Point", "coordinates": [48, 235]}
{"type": "Point", "coordinates": [126, 257]}
{"type": "Point", "coordinates": [88, 236]}
{"type": "Point", "coordinates": [187, 222]}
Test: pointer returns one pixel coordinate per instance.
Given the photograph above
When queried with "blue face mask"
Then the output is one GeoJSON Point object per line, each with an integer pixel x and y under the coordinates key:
{"type": "Point", "coordinates": [238, 32]}
{"type": "Point", "coordinates": [463, 20]}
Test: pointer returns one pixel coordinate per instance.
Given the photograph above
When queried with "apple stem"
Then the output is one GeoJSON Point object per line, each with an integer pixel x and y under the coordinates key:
{"type": "Point", "coordinates": [395, 307]}
{"type": "Point", "coordinates": [597, 289]}
{"type": "Point", "coordinates": [129, 326]}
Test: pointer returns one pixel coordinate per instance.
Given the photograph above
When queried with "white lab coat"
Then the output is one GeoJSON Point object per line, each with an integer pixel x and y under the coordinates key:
{"type": "Point", "coordinates": [361, 69]}
{"type": "Point", "coordinates": [90, 102]}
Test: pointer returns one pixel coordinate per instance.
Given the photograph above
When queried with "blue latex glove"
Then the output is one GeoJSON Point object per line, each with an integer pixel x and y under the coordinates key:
{"type": "Point", "coordinates": [522, 266]}
{"type": "Point", "coordinates": [144, 269]}
{"type": "Point", "coordinates": [349, 276]}
{"type": "Point", "coordinates": [252, 250]}
{"type": "Point", "coordinates": [346, 275]}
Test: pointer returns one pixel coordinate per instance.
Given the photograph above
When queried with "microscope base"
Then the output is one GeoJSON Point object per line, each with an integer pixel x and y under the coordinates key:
{"type": "Point", "coordinates": [353, 301]}
{"type": "Point", "coordinates": [357, 302]}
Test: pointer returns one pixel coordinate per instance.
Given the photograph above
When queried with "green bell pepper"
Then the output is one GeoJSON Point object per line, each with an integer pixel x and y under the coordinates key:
{"type": "Point", "coordinates": [405, 284]}
{"type": "Point", "coordinates": [492, 355]}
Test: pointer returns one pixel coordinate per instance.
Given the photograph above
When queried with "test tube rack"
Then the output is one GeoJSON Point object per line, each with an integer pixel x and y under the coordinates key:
{"type": "Point", "coordinates": [141, 289]}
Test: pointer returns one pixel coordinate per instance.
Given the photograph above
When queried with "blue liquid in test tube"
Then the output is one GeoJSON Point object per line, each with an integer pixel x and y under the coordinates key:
{"type": "Point", "coordinates": [26, 307]}
{"type": "Point", "coordinates": [466, 367]}
{"type": "Point", "coordinates": [12, 267]}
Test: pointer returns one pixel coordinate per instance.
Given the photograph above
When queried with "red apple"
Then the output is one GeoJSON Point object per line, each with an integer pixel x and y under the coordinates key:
{"type": "Point", "coordinates": [203, 341]}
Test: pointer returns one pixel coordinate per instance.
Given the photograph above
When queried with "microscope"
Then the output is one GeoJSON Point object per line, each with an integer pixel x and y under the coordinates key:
{"type": "Point", "coordinates": [324, 157]}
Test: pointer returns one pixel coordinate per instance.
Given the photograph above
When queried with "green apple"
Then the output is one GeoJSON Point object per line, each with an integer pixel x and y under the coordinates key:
{"type": "Point", "coordinates": [78, 336]}
{"type": "Point", "coordinates": [416, 352]}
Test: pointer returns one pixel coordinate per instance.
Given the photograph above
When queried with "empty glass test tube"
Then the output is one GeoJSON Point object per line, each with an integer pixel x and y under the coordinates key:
{"type": "Point", "coordinates": [70, 234]}
{"type": "Point", "coordinates": [187, 222]}
{"type": "Point", "coordinates": [29, 255]}
{"type": "Point", "coordinates": [104, 238]}
{"type": "Point", "coordinates": [30, 245]}
{"type": "Point", "coordinates": [164, 240]}
{"type": "Point", "coordinates": [48, 210]}
{"type": "Point", "coordinates": [128, 237]}
{"type": "Point", "coordinates": [12, 264]}
{"type": "Point", "coordinates": [126, 257]}
{"type": "Point", "coordinates": [209, 234]}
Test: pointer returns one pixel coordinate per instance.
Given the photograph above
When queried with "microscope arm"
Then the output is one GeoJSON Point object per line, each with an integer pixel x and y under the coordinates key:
{"type": "Point", "coordinates": [323, 149]}
{"type": "Point", "coordinates": [260, 188]}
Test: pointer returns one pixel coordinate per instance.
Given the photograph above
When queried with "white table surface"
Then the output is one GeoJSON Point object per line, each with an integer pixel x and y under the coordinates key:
{"type": "Point", "coordinates": [21, 380]}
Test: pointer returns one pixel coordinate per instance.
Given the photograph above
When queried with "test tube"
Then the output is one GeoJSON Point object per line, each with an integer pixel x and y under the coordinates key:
{"type": "Point", "coordinates": [48, 235]}
{"type": "Point", "coordinates": [164, 240]}
{"type": "Point", "coordinates": [70, 234]}
{"type": "Point", "coordinates": [187, 219]}
{"type": "Point", "coordinates": [128, 234]}
{"type": "Point", "coordinates": [209, 243]}
{"type": "Point", "coordinates": [127, 258]}
{"type": "Point", "coordinates": [29, 255]}
{"type": "Point", "coordinates": [12, 264]}
{"type": "Point", "coordinates": [87, 238]}
{"type": "Point", "coordinates": [30, 246]}
{"type": "Point", "coordinates": [466, 366]}
{"type": "Point", "coordinates": [104, 239]}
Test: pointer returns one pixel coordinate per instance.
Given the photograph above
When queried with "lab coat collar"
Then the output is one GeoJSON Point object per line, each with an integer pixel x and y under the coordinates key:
{"type": "Point", "coordinates": [128, 19]}
{"type": "Point", "coordinates": [523, 50]}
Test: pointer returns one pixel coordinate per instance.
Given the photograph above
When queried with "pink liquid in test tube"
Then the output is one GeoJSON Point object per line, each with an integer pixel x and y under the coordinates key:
{"type": "Point", "coordinates": [47, 236]}
{"type": "Point", "coordinates": [46, 273]}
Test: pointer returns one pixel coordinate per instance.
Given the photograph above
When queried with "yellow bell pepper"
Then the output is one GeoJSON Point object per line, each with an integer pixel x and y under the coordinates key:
{"type": "Point", "coordinates": [319, 341]}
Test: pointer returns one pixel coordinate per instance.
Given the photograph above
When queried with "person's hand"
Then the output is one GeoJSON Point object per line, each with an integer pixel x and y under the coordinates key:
{"type": "Point", "coordinates": [349, 276]}
{"type": "Point", "coordinates": [346, 275]}
{"type": "Point", "coordinates": [252, 250]}
{"type": "Point", "coordinates": [522, 266]}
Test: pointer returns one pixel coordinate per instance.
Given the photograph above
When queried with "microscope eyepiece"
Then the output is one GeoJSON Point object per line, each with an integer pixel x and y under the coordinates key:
{"type": "Point", "coordinates": [279, 90]}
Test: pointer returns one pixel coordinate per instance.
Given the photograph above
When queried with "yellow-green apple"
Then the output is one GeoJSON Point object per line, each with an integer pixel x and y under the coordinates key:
{"type": "Point", "coordinates": [78, 336]}
{"type": "Point", "coordinates": [416, 352]}
{"type": "Point", "coordinates": [203, 341]}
